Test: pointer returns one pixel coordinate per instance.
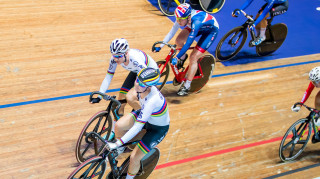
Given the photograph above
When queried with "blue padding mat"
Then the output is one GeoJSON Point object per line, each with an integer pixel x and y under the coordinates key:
{"type": "Point", "coordinates": [302, 19]}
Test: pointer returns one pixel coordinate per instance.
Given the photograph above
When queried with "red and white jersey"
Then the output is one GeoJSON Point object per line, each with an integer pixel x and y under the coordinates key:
{"type": "Point", "coordinates": [307, 93]}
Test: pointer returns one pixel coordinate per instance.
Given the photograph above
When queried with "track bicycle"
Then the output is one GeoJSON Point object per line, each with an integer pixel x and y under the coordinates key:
{"type": "Point", "coordinates": [167, 7]}
{"type": "Point", "coordinates": [101, 123]}
{"type": "Point", "coordinates": [297, 136]}
{"type": "Point", "coordinates": [96, 167]}
{"type": "Point", "coordinates": [232, 42]}
{"type": "Point", "coordinates": [206, 66]}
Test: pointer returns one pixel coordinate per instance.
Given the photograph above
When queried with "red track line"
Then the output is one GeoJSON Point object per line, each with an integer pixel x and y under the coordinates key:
{"type": "Point", "coordinates": [217, 153]}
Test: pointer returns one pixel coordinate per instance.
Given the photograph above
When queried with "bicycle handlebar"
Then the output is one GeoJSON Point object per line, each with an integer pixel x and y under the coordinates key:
{"type": "Point", "coordinates": [309, 108]}
{"type": "Point", "coordinates": [247, 16]}
{"type": "Point", "coordinates": [107, 98]}
{"type": "Point", "coordinates": [173, 47]}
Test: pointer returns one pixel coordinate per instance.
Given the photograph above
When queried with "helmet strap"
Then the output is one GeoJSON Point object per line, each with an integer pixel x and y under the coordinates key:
{"type": "Point", "coordinates": [125, 58]}
{"type": "Point", "coordinates": [144, 90]}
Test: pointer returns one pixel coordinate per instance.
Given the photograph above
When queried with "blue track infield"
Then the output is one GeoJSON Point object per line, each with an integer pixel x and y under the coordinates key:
{"type": "Point", "coordinates": [302, 19]}
{"type": "Point", "coordinates": [169, 82]}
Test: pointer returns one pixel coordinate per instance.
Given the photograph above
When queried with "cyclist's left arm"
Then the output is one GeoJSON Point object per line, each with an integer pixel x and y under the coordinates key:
{"type": "Point", "coordinates": [143, 117]}
{"type": "Point", "coordinates": [264, 12]}
{"type": "Point", "coordinates": [246, 4]}
{"type": "Point", "coordinates": [195, 27]}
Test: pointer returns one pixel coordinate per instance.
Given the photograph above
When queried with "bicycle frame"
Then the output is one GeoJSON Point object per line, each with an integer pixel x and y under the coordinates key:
{"type": "Point", "coordinates": [111, 155]}
{"type": "Point", "coordinates": [311, 120]}
{"type": "Point", "coordinates": [179, 75]}
{"type": "Point", "coordinates": [250, 20]}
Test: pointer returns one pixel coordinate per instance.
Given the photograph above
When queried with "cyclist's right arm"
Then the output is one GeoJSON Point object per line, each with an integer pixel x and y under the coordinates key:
{"type": "Point", "coordinates": [107, 80]}
{"type": "Point", "coordinates": [172, 32]}
{"type": "Point", "coordinates": [307, 93]}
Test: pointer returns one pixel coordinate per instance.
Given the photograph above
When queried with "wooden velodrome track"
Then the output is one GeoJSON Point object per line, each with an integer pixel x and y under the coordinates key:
{"type": "Point", "coordinates": [51, 49]}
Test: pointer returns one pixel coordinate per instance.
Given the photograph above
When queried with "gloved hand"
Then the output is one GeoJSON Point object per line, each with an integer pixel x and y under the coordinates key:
{"type": "Point", "coordinates": [236, 12]}
{"type": "Point", "coordinates": [95, 100]}
{"type": "Point", "coordinates": [252, 27]}
{"type": "Point", "coordinates": [156, 49]}
{"type": "Point", "coordinates": [113, 145]}
{"type": "Point", "coordinates": [174, 61]}
{"type": "Point", "coordinates": [296, 108]}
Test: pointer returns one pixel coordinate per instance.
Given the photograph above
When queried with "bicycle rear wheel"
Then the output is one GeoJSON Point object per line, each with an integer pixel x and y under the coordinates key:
{"type": "Point", "coordinates": [164, 75]}
{"type": "Point", "coordinates": [167, 7]}
{"type": "Point", "coordinates": [92, 168]}
{"type": "Point", "coordinates": [206, 64]}
{"type": "Point", "coordinates": [211, 6]}
{"type": "Point", "coordinates": [149, 162]}
{"type": "Point", "coordinates": [295, 140]}
{"type": "Point", "coordinates": [231, 43]}
{"type": "Point", "coordinates": [100, 123]}
{"type": "Point", "coordinates": [269, 46]}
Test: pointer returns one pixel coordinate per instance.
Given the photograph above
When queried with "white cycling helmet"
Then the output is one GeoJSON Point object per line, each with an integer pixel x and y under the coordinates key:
{"type": "Point", "coordinates": [314, 74]}
{"type": "Point", "coordinates": [119, 46]}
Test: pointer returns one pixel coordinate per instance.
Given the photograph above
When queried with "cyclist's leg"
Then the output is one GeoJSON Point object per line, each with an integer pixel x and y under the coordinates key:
{"type": "Point", "coordinates": [125, 123]}
{"type": "Point", "coordinates": [182, 38]}
{"type": "Point", "coordinates": [126, 86]}
{"type": "Point", "coordinates": [261, 27]}
{"type": "Point", "coordinates": [155, 134]}
{"type": "Point", "coordinates": [203, 44]}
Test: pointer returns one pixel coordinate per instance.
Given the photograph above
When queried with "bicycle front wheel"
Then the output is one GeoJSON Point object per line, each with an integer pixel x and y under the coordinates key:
{"type": "Point", "coordinates": [167, 7]}
{"type": "Point", "coordinates": [100, 123]}
{"type": "Point", "coordinates": [295, 140]}
{"type": "Point", "coordinates": [92, 168]}
{"type": "Point", "coordinates": [206, 66]}
{"type": "Point", "coordinates": [231, 43]}
{"type": "Point", "coordinates": [164, 75]}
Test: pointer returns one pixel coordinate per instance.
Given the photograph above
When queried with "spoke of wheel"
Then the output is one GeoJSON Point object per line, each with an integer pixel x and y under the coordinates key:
{"type": "Point", "coordinates": [287, 145]}
{"type": "Point", "coordinates": [96, 168]}
{"type": "Point", "coordinates": [291, 151]}
{"type": "Point", "coordinates": [97, 125]}
{"type": "Point", "coordinates": [294, 132]}
{"type": "Point", "coordinates": [86, 149]}
{"type": "Point", "coordinates": [302, 142]}
{"type": "Point", "coordinates": [88, 170]}
{"type": "Point", "coordinates": [169, 3]}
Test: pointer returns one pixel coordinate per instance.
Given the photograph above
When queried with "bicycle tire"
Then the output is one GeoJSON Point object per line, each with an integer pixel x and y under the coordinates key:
{"type": "Point", "coordinates": [82, 146]}
{"type": "Point", "coordinates": [207, 64]}
{"type": "Point", "coordinates": [164, 75]}
{"type": "Point", "coordinates": [211, 6]}
{"type": "Point", "coordinates": [167, 7]}
{"type": "Point", "coordinates": [268, 46]}
{"type": "Point", "coordinates": [92, 165]}
{"type": "Point", "coordinates": [293, 139]}
{"type": "Point", "coordinates": [243, 32]}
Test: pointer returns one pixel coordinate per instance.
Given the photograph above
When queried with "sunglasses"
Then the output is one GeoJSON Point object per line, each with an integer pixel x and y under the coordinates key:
{"type": "Point", "coordinates": [118, 56]}
{"type": "Point", "coordinates": [140, 83]}
{"type": "Point", "coordinates": [181, 18]}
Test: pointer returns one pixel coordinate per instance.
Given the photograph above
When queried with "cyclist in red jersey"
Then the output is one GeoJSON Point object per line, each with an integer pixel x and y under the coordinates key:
{"type": "Point", "coordinates": [314, 77]}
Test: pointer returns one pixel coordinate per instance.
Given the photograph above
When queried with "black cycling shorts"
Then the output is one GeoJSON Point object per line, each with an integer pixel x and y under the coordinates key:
{"type": "Point", "coordinates": [128, 83]}
{"type": "Point", "coordinates": [277, 9]}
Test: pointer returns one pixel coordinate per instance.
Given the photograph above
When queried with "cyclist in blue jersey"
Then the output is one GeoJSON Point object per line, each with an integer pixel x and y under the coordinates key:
{"type": "Point", "coordinates": [196, 23]}
{"type": "Point", "coordinates": [153, 116]}
{"type": "Point", "coordinates": [271, 8]}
